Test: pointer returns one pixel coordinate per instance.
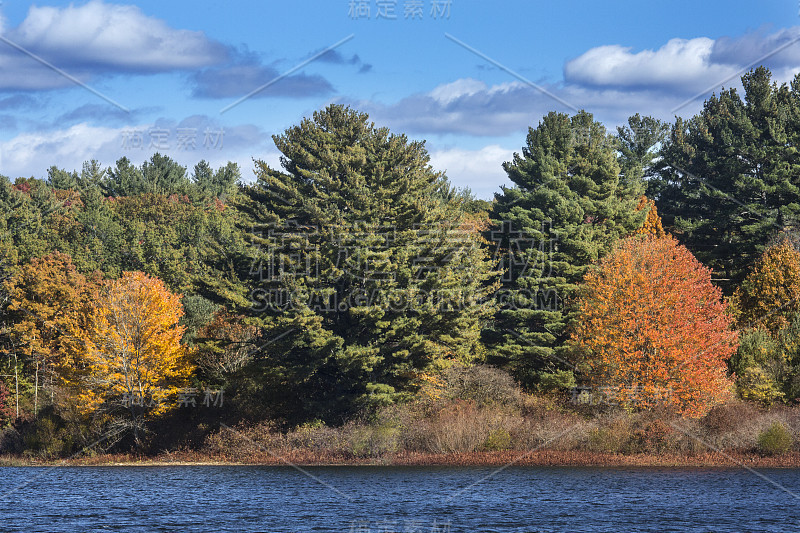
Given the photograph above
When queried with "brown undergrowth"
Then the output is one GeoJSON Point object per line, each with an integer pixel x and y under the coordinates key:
{"type": "Point", "coordinates": [487, 459]}
{"type": "Point", "coordinates": [482, 418]}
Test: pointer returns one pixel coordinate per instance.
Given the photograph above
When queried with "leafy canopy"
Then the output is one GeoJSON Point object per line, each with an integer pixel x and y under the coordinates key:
{"type": "Point", "coordinates": [653, 328]}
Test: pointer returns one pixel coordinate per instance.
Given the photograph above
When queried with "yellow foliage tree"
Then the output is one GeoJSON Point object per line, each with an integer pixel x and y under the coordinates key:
{"type": "Point", "coordinates": [767, 365]}
{"type": "Point", "coordinates": [129, 357]}
{"type": "Point", "coordinates": [770, 295]}
{"type": "Point", "coordinates": [652, 223]}
{"type": "Point", "coordinates": [45, 298]}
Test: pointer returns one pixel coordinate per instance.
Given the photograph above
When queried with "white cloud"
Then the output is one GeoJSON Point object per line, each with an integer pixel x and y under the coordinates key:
{"type": "Point", "coordinates": [31, 154]}
{"type": "Point", "coordinates": [99, 38]}
{"type": "Point", "coordinates": [29, 151]}
{"type": "Point", "coordinates": [612, 82]}
{"type": "Point", "coordinates": [508, 108]}
{"type": "Point", "coordinates": [680, 65]}
{"type": "Point", "coordinates": [480, 170]}
{"type": "Point", "coordinates": [781, 48]}
{"type": "Point", "coordinates": [686, 66]}
{"type": "Point", "coordinates": [447, 93]}
{"type": "Point", "coordinates": [115, 35]}
{"type": "Point", "coordinates": [465, 106]}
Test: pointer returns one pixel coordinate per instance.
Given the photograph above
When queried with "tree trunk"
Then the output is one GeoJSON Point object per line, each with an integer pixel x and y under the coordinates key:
{"type": "Point", "coordinates": [36, 392]}
{"type": "Point", "coordinates": [16, 381]}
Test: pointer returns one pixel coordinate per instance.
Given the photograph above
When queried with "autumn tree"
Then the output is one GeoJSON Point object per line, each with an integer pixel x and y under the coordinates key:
{"type": "Point", "coordinates": [767, 363]}
{"type": "Point", "coordinates": [130, 359]}
{"type": "Point", "coordinates": [770, 294]}
{"type": "Point", "coordinates": [7, 412]}
{"type": "Point", "coordinates": [652, 223]}
{"type": "Point", "coordinates": [45, 297]}
{"type": "Point", "coordinates": [653, 328]}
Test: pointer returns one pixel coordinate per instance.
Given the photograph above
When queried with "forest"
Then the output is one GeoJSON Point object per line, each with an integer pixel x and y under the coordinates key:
{"type": "Point", "coordinates": [355, 302]}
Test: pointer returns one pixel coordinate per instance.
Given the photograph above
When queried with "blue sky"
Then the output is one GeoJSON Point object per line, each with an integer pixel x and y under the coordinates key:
{"type": "Point", "coordinates": [467, 76]}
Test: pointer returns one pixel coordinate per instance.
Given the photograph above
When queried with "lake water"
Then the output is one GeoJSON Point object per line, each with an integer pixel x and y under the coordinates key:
{"type": "Point", "coordinates": [396, 499]}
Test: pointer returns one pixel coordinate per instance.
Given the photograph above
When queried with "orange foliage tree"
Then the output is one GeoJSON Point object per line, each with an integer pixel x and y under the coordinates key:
{"type": "Point", "coordinates": [130, 357]}
{"type": "Point", "coordinates": [653, 329]}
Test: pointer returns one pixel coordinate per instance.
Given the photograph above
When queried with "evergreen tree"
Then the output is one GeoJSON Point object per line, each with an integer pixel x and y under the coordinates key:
{"type": "Point", "coordinates": [369, 276]}
{"type": "Point", "coordinates": [217, 184]}
{"type": "Point", "coordinates": [164, 176]}
{"type": "Point", "coordinates": [101, 244]}
{"type": "Point", "coordinates": [729, 177]}
{"type": "Point", "coordinates": [92, 175]}
{"type": "Point", "coordinates": [31, 212]}
{"type": "Point", "coordinates": [123, 180]}
{"type": "Point", "coordinates": [568, 205]}
{"type": "Point", "coordinates": [637, 143]}
{"type": "Point", "coordinates": [61, 179]}
{"type": "Point", "coordinates": [160, 175]}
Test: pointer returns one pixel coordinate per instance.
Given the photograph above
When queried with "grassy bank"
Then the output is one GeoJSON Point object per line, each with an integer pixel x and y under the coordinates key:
{"type": "Point", "coordinates": [488, 459]}
{"type": "Point", "coordinates": [529, 431]}
{"type": "Point", "coordinates": [478, 417]}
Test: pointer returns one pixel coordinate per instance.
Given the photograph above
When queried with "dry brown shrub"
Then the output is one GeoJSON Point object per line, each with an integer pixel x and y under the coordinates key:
{"type": "Point", "coordinates": [460, 427]}
{"type": "Point", "coordinates": [481, 384]}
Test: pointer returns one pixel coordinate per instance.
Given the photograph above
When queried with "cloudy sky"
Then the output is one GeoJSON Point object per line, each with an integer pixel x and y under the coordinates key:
{"type": "Point", "coordinates": [215, 80]}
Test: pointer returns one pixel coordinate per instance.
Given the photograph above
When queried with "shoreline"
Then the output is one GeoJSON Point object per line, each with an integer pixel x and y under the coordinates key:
{"type": "Point", "coordinates": [541, 458]}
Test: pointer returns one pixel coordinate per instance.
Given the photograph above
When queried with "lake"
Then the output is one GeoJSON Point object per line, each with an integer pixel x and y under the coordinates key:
{"type": "Point", "coordinates": [396, 499]}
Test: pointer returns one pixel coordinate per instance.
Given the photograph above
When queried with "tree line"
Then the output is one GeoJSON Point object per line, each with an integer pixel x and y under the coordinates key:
{"type": "Point", "coordinates": [655, 257]}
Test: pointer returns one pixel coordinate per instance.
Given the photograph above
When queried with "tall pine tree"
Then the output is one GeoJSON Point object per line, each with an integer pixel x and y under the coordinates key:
{"type": "Point", "coordinates": [568, 205]}
{"type": "Point", "coordinates": [369, 275]}
{"type": "Point", "coordinates": [729, 177]}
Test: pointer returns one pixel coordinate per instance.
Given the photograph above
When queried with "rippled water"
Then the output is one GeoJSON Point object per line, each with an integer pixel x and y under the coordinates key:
{"type": "Point", "coordinates": [396, 499]}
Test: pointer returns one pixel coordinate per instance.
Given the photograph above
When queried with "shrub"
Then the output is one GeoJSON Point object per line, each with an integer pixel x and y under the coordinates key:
{"type": "Point", "coordinates": [372, 441]}
{"type": "Point", "coordinates": [243, 440]}
{"type": "Point", "coordinates": [498, 439]}
{"type": "Point", "coordinates": [481, 384]}
{"type": "Point", "coordinates": [48, 438]}
{"type": "Point", "coordinates": [656, 436]}
{"type": "Point", "coordinates": [555, 381]}
{"type": "Point", "coordinates": [613, 434]}
{"type": "Point", "coordinates": [728, 417]}
{"type": "Point", "coordinates": [459, 428]}
{"type": "Point", "coordinates": [776, 440]}
{"type": "Point", "coordinates": [539, 407]}
{"type": "Point", "coordinates": [11, 441]}
{"type": "Point", "coordinates": [314, 435]}
{"type": "Point", "coordinates": [756, 386]}
{"type": "Point", "coordinates": [551, 429]}
{"type": "Point", "coordinates": [464, 427]}
{"type": "Point", "coordinates": [605, 440]}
